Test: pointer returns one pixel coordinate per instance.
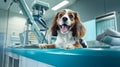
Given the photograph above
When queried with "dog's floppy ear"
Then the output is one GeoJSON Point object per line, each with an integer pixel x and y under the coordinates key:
{"type": "Point", "coordinates": [79, 29]}
{"type": "Point", "coordinates": [54, 27]}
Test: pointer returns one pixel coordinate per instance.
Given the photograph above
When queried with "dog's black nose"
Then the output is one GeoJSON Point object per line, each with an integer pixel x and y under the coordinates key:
{"type": "Point", "coordinates": [64, 19]}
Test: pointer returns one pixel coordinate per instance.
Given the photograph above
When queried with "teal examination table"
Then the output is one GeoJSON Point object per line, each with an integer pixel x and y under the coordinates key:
{"type": "Point", "coordinates": [85, 57]}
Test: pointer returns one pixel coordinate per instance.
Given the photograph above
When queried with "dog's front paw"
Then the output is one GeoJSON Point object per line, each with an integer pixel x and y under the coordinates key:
{"type": "Point", "coordinates": [69, 47]}
{"type": "Point", "coordinates": [42, 46]}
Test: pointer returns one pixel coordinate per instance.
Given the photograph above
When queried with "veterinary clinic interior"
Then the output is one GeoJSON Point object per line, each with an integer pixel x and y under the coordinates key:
{"type": "Point", "coordinates": [45, 33]}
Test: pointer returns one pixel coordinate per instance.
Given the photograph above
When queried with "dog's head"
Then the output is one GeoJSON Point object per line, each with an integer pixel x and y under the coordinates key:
{"type": "Point", "coordinates": [65, 21]}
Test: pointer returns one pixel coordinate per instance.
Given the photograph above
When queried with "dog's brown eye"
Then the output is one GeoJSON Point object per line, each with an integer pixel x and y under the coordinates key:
{"type": "Point", "coordinates": [71, 16]}
{"type": "Point", "coordinates": [60, 15]}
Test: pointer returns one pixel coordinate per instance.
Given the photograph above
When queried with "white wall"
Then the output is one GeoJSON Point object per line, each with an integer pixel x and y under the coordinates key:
{"type": "Point", "coordinates": [16, 23]}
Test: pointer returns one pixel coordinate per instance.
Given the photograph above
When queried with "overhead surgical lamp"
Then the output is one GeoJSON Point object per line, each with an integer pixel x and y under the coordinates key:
{"type": "Point", "coordinates": [39, 7]}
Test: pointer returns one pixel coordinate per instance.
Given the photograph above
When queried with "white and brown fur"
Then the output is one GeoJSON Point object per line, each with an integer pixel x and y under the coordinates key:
{"type": "Point", "coordinates": [68, 39]}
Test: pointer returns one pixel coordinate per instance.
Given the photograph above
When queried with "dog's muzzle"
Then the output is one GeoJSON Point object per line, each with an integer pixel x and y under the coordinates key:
{"type": "Point", "coordinates": [64, 28]}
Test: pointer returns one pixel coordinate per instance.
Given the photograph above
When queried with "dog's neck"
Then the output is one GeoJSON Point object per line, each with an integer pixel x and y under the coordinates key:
{"type": "Point", "coordinates": [66, 35]}
{"type": "Point", "coordinates": [64, 39]}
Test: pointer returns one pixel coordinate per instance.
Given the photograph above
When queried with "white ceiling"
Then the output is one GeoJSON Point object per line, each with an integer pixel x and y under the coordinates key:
{"type": "Point", "coordinates": [49, 13]}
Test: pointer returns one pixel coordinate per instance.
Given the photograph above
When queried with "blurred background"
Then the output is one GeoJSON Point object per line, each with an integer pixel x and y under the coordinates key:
{"type": "Point", "coordinates": [12, 22]}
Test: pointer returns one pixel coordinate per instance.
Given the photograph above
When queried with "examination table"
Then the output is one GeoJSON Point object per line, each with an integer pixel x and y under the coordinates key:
{"type": "Point", "coordinates": [85, 57]}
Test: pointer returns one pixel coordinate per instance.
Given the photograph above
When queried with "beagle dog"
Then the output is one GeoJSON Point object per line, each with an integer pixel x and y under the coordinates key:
{"type": "Point", "coordinates": [68, 29]}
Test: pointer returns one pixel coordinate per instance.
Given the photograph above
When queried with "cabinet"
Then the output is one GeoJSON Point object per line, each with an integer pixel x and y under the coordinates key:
{"type": "Point", "coordinates": [14, 60]}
